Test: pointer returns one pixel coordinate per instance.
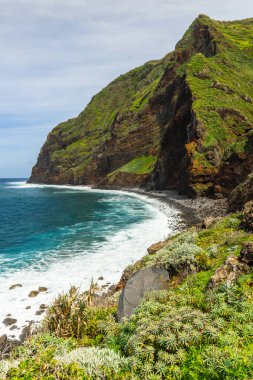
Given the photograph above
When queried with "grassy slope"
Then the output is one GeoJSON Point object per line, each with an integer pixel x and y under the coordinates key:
{"type": "Point", "coordinates": [222, 91]}
{"type": "Point", "coordinates": [186, 332]}
{"type": "Point", "coordinates": [84, 134]}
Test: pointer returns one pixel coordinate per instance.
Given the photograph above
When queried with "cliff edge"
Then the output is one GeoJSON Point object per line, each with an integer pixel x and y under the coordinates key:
{"type": "Point", "coordinates": [184, 122]}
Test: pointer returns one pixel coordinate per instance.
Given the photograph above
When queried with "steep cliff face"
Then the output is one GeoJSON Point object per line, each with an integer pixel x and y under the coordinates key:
{"type": "Point", "coordinates": [183, 122]}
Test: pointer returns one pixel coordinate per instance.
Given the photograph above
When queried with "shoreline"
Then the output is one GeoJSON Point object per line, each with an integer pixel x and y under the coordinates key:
{"type": "Point", "coordinates": [193, 210]}
{"type": "Point", "coordinates": [172, 219]}
{"type": "Point", "coordinates": [187, 212]}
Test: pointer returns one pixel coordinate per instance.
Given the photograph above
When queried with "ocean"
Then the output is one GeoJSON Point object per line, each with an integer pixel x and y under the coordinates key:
{"type": "Point", "coordinates": [58, 236]}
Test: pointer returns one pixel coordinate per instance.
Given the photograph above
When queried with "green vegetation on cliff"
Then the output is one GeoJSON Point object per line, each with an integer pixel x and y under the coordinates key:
{"type": "Point", "coordinates": [193, 110]}
{"type": "Point", "coordinates": [200, 328]}
{"type": "Point", "coordinates": [223, 93]}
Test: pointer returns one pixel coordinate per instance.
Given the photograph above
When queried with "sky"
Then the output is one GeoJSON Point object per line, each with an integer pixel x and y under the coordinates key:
{"type": "Point", "coordinates": [56, 54]}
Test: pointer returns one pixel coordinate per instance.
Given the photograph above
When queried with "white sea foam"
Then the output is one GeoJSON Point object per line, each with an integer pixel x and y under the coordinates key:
{"type": "Point", "coordinates": [107, 259]}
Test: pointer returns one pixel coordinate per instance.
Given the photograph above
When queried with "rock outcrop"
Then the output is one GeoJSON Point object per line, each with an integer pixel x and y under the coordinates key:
{"type": "Point", "coordinates": [183, 122]}
{"type": "Point", "coordinates": [228, 272]}
{"type": "Point", "coordinates": [242, 194]}
{"type": "Point", "coordinates": [248, 215]}
{"type": "Point", "coordinates": [246, 255]}
{"type": "Point", "coordinates": [233, 267]}
{"type": "Point", "coordinates": [137, 286]}
{"type": "Point", "coordinates": [9, 321]}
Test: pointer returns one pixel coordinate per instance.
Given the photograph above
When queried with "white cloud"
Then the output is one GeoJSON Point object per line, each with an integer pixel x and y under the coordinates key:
{"type": "Point", "coordinates": [56, 54]}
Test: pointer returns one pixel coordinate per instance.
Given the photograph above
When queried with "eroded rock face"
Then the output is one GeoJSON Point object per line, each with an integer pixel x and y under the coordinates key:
{"type": "Point", "coordinates": [137, 286]}
{"type": "Point", "coordinates": [248, 215]}
{"type": "Point", "coordinates": [246, 255]}
{"type": "Point", "coordinates": [228, 272]}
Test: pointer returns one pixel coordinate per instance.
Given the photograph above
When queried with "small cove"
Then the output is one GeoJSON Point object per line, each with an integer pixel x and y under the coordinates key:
{"type": "Point", "coordinates": [58, 236]}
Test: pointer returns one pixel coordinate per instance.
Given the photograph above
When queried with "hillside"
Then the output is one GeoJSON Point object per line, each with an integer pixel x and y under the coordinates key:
{"type": "Point", "coordinates": [184, 122]}
{"type": "Point", "coordinates": [200, 327]}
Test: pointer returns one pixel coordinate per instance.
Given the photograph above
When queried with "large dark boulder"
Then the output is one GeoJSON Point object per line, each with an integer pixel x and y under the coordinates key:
{"type": "Point", "coordinates": [139, 283]}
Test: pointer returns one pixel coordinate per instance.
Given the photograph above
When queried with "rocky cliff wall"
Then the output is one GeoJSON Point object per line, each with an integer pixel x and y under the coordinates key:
{"type": "Point", "coordinates": [184, 122]}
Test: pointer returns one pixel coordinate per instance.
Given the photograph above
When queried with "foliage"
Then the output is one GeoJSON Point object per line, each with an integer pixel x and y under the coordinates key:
{"type": "Point", "coordinates": [181, 253]}
{"type": "Point", "coordinates": [222, 92]}
{"type": "Point", "coordinates": [97, 362]}
{"type": "Point", "coordinates": [47, 357]}
{"type": "Point", "coordinates": [188, 332]}
{"type": "Point", "coordinates": [71, 315]}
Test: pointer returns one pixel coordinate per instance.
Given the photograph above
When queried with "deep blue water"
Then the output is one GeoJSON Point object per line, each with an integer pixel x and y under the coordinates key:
{"type": "Point", "coordinates": [47, 221]}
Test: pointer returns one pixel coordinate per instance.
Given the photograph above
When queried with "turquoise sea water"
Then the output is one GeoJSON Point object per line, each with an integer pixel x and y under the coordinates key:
{"type": "Point", "coordinates": [37, 222]}
{"type": "Point", "coordinates": [58, 236]}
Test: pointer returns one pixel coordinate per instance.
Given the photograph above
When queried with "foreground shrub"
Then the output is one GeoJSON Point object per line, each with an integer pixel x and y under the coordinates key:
{"type": "Point", "coordinates": [97, 362]}
{"type": "Point", "coordinates": [5, 366]}
{"type": "Point", "coordinates": [159, 335]}
{"type": "Point", "coordinates": [50, 358]}
{"type": "Point", "coordinates": [170, 337]}
{"type": "Point", "coordinates": [180, 254]}
{"type": "Point", "coordinates": [72, 315]}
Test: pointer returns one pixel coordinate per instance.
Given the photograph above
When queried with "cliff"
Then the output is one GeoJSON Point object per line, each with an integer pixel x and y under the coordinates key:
{"type": "Point", "coordinates": [184, 122]}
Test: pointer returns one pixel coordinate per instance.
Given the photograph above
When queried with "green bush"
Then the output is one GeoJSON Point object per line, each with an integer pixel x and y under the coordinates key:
{"type": "Point", "coordinates": [180, 253]}
{"type": "Point", "coordinates": [49, 358]}
{"type": "Point", "coordinates": [97, 362]}
{"type": "Point", "coordinates": [72, 315]}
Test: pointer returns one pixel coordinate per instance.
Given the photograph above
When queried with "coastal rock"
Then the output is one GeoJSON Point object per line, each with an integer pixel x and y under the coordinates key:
{"type": "Point", "coordinates": [242, 194]}
{"type": "Point", "coordinates": [9, 321]}
{"type": "Point", "coordinates": [33, 293]}
{"type": "Point", "coordinates": [39, 312]}
{"type": "Point", "coordinates": [26, 332]}
{"type": "Point", "coordinates": [248, 215]}
{"type": "Point", "coordinates": [246, 254]}
{"type": "Point", "coordinates": [209, 222]}
{"type": "Point", "coordinates": [156, 247]}
{"type": "Point", "coordinates": [6, 345]}
{"type": "Point", "coordinates": [3, 342]}
{"type": "Point", "coordinates": [28, 307]}
{"type": "Point", "coordinates": [15, 286]}
{"type": "Point", "coordinates": [14, 327]}
{"type": "Point", "coordinates": [228, 272]}
{"type": "Point", "coordinates": [43, 306]}
{"type": "Point", "coordinates": [127, 273]}
{"type": "Point", "coordinates": [100, 278]}
{"type": "Point", "coordinates": [139, 283]}
{"type": "Point", "coordinates": [42, 289]}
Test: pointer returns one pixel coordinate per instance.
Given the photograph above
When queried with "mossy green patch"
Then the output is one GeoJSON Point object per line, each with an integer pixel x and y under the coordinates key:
{"type": "Point", "coordinates": [139, 165]}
